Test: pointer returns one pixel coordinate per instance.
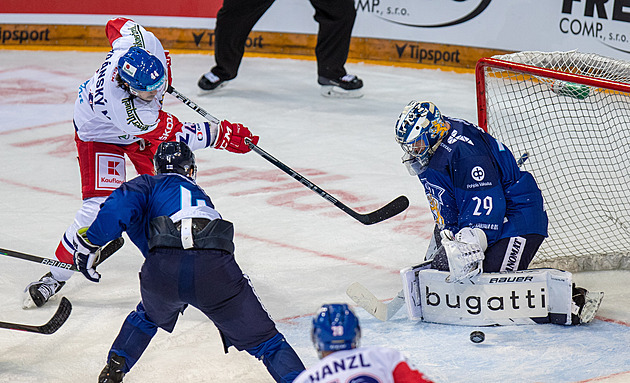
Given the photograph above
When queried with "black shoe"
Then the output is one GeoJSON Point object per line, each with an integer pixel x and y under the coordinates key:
{"type": "Point", "coordinates": [210, 81]}
{"type": "Point", "coordinates": [113, 371]}
{"type": "Point", "coordinates": [41, 291]}
{"type": "Point", "coordinates": [347, 86]}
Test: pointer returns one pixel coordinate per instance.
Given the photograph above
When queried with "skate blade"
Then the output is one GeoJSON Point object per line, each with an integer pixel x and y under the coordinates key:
{"type": "Point", "coordinates": [592, 302]}
{"type": "Point", "coordinates": [27, 302]}
{"type": "Point", "coordinates": [337, 92]}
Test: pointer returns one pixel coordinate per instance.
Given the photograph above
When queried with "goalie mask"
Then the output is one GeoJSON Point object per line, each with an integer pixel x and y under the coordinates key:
{"type": "Point", "coordinates": [175, 157]}
{"type": "Point", "coordinates": [141, 70]}
{"type": "Point", "coordinates": [419, 130]}
{"type": "Point", "coordinates": [335, 328]}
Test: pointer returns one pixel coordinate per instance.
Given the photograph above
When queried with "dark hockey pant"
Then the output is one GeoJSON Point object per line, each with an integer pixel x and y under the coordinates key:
{"type": "Point", "coordinates": [212, 281]}
{"type": "Point", "coordinates": [236, 18]}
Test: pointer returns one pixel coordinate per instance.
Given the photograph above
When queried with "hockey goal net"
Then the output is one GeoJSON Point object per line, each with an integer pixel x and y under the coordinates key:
{"type": "Point", "coordinates": [569, 113]}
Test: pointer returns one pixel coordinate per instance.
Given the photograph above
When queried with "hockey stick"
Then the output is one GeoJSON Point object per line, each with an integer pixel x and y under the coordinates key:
{"type": "Point", "coordinates": [57, 320]}
{"type": "Point", "coordinates": [192, 105]}
{"type": "Point", "coordinates": [102, 254]}
{"type": "Point", "coordinates": [365, 299]}
{"type": "Point", "coordinates": [368, 301]}
{"type": "Point", "coordinates": [391, 209]}
{"type": "Point", "coordinates": [524, 157]}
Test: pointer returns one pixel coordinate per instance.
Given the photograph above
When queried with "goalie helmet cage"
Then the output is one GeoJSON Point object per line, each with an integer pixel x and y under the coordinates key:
{"type": "Point", "coordinates": [570, 112]}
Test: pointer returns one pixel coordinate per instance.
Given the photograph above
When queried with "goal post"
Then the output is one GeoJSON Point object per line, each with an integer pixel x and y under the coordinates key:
{"type": "Point", "coordinates": [570, 112]}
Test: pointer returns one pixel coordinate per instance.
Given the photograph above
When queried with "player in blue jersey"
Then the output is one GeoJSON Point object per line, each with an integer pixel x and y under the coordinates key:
{"type": "Point", "coordinates": [173, 222]}
{"type": "Point", "coordinates": [473, 181]}
{"type": "Point", "coordinates": [476, 190]}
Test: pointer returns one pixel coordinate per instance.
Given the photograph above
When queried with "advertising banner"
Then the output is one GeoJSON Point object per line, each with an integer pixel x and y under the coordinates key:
{"type": "Point", "coordinates": [594, 26]}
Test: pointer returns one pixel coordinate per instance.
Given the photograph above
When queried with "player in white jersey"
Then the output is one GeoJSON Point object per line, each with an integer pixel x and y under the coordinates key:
{"type": "Point", "coordinates": [118, 113]}
{"type": "Point", "coordinates": [336, 335]}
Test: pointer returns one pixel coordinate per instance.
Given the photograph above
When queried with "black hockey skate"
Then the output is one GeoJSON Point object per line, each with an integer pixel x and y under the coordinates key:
{"type": "Point", "coordinates": [113, 371]}
{"type": "Point", "coordinates": [209, 82]}
{"type": "Point", "coordinates": [41, 291]}
{"type": "Point", "coordinates": [348, 86]}
{"type": "Point", "coordinates": [586, 303]}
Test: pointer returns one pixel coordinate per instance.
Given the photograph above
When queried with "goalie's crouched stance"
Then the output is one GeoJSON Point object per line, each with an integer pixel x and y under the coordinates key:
{"type": "Point", "coordinates": [464, 295]}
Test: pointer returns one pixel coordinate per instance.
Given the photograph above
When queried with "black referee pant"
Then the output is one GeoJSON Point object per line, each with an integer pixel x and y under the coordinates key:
{"type": "Point", "coordinates": [236, 18]}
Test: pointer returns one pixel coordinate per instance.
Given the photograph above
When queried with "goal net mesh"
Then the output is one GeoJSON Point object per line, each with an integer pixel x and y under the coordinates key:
{"type": "Point", "coordinates": [570, 112]}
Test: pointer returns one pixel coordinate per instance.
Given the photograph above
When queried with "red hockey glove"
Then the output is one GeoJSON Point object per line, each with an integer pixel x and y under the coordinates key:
{"type": "Point", "coordinates": [231, 137]}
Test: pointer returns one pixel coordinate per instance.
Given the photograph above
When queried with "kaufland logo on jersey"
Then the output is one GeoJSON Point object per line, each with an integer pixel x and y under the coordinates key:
{"type": "Point", "coordinates": [110, 171]}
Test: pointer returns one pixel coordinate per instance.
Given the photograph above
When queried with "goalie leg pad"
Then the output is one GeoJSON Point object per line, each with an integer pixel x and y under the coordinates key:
{"type": "Point", "coordinates": [410, 290]}
{"type": "Point", "coordinates": [524, 297]}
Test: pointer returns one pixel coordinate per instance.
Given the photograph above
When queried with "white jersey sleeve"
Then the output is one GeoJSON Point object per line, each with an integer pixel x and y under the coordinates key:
{"type": "Point", "coordinates": [105, 112]}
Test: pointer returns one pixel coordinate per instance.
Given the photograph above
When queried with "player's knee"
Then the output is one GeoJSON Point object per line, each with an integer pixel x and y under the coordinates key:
{"type": "Point", "coordinates": [278, 356]}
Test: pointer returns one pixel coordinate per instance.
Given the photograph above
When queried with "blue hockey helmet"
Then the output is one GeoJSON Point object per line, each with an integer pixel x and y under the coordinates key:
{"type": "Point", "coordinates": [420, 129]}
{"type": "Point", "coordinates": [335, 328]}
{"type": "Point", "coordinates": [175, 157]}
{"type": "Point", "coordinates": [141, 70]}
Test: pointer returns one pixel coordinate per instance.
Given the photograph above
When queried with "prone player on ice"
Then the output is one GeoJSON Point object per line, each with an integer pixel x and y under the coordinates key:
{"type": "Point", "coordinates": [489, 218]}
{"type": "Point", "coordinates": [118, 113]}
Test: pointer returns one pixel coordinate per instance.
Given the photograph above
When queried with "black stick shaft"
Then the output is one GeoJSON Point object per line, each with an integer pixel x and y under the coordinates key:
{"type": "Point", "coordinates": [391, 209]}
{"type": "Point", "coordinates": [105, 252]}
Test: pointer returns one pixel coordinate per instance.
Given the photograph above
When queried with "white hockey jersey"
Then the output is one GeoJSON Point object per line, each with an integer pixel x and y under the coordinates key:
{"type": "Point", "coordinates": [365, 365]}
{"type": "Point", "coordinates": [104, 112]}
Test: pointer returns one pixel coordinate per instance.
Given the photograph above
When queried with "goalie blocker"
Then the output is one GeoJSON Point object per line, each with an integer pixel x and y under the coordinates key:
{"type": "Point", "coordinates": [522, 297]}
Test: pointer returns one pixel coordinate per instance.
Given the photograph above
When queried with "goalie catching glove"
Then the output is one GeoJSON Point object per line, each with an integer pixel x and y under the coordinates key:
{"type": "Point", "coordinates": [465, 253]}
{"type": "Point", "coordinates": [85, 255]}
{"type": "Point", "coordinates": [231, 137]}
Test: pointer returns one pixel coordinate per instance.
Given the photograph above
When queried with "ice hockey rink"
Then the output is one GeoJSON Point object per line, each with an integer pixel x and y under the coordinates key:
{"type": "Point", "coordinates": [299, 250]}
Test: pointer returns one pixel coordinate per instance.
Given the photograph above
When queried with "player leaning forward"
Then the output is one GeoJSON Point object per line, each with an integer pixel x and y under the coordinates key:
{"type": "Point", "coordinates": [119, 112]}
{"type": "Point", "coordinates": [189, 260]}
{"type": "Point", "coordinates": [476, 190]}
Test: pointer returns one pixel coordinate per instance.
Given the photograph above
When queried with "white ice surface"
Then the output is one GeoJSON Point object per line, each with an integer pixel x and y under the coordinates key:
{"type": "Point", "coordinates": [299, 249]}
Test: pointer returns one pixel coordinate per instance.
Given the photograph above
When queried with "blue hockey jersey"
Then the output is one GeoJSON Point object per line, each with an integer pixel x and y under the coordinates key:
{"type": "Point", "coordinates": [135, 203]}
{"type": "Point", "coordinates": [473, 180]}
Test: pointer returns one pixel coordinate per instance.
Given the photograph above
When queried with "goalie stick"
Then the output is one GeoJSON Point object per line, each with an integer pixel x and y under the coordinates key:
{"type": "Point", "coordinates": [57, 320]}
{"type": "Point", "coordinates": [365, 299]}
{"type": "Point", "coordinates": [369, 302]}
{"type": "Point", "coordinates": [102, 254]}
{"type": "Point", "coordinates": [396, 206]}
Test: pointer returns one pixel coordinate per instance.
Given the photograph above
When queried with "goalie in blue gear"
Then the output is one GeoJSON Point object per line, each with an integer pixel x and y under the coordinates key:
{"type": "Point", "coordinates": [489, 214]}
{"type": "Point", "coordinates": [189, 260]}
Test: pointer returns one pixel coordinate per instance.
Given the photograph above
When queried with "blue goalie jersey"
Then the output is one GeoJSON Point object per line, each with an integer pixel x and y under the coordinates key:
{"type": "Point", "coordinates": [473, 180]}
{"type": "Point", "coordinates": [135, 203]}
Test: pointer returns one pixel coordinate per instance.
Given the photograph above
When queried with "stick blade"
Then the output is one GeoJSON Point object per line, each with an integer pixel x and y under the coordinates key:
{"type": "Point", "coordinates": [368, 301]}
{"type": "Point", "coordinates": [390, 210]}
{"type": "Point", "coordinates": [60, 317]}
